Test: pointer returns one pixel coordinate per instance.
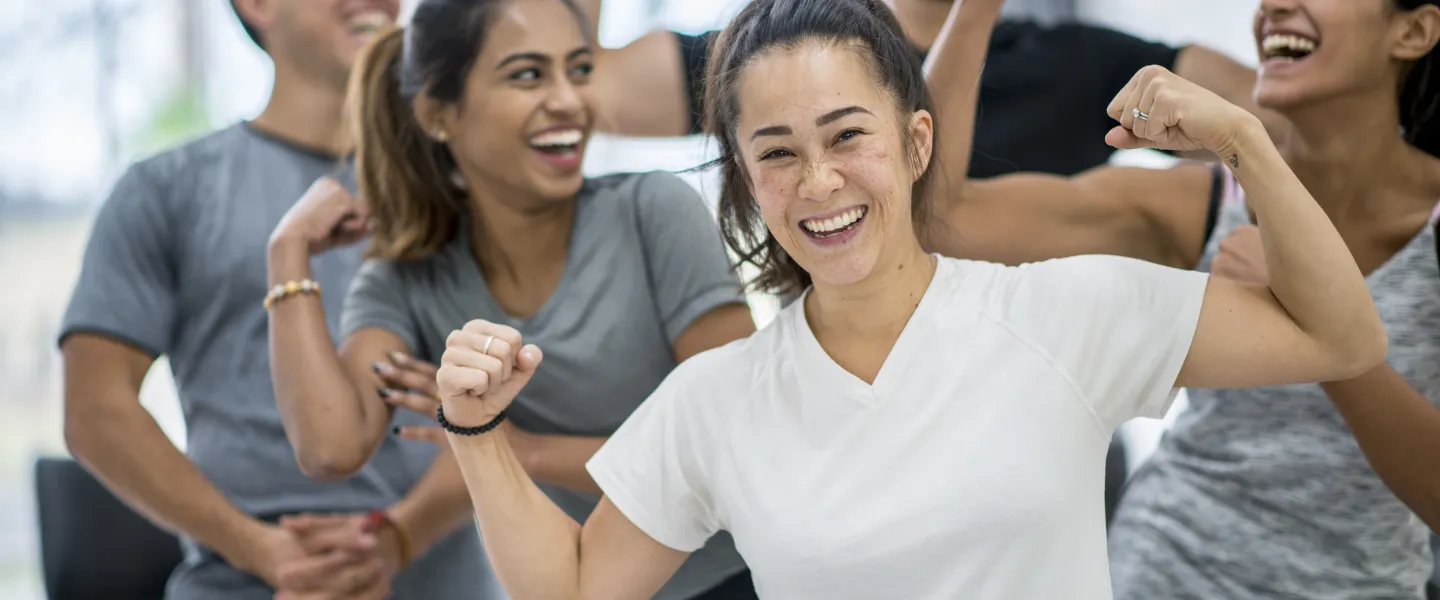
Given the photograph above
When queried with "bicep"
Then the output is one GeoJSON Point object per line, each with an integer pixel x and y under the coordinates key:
{"type": "Point", "coordinates": [641, 88]}
{"type": "Point", "coordinates": [360, 352]}
{"type": "Point", "coordinates": [618, 560]}
{"type": "Point", "coordinates": [1245, 339]}
{"type": "Point", "coordinates": [101, 371]}
{"type": "Point", "coordinates": [720, 326]}
{"type": "Point", "coordinates": [1155, 215]}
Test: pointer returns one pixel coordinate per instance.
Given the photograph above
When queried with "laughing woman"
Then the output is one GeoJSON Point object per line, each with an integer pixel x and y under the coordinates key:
{"type": "Point", "coordinates": [472, 124]}
{"type": "Point", "coordinates": [913, 426]}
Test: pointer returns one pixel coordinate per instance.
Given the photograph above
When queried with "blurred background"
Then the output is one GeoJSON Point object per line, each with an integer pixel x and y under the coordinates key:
{"type": "Point", "coordinates": [88, 86]}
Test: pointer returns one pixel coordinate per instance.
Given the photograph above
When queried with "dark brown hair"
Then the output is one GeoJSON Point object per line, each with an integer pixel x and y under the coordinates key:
{"type": "Point", "coordinates": [1420, 96]}
{"type": "Point", "coordinates": [407, 178]}
{"type": "Point", "coordinates": [867, 27]}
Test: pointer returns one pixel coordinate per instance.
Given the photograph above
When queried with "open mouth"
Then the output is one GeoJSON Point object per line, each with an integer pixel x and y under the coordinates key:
{"type": "Point", "coordinates": [560, 142]}
{"type": "Point", "coordinates": [368, 22]}
{"type": "Point", "coordinates": [1287, 47]}
{"type": "Point", "coordinates": [837, 225]}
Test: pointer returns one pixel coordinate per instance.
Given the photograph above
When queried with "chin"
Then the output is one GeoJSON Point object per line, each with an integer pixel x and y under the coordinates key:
{"type": "Point", "coordinates": [840, 271]}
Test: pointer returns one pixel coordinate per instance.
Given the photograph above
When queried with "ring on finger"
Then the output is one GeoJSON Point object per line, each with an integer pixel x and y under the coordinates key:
{"type": "Point", "coordinates": [488, 342]}
{"type": "Point", "coordinates": [1140, 114]}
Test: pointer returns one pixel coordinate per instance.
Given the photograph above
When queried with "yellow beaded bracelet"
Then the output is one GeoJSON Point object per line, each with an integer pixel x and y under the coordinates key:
{"type": "Point", "coordinates": [291, 288]}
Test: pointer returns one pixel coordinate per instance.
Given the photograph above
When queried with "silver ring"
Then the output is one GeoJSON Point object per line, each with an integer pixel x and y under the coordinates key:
{"type": "Point", "coordinates": [1140, 114]}
{"type": "Point", "coordinates": [486, 349]}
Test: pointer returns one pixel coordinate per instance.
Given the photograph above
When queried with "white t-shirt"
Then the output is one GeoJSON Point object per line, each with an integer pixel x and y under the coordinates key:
{"type": "Point", "coordinates": [972, 468]}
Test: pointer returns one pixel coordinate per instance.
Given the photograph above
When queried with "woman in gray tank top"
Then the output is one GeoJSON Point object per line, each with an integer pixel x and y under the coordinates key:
{"type": "Point", "coordinates": [471, 126]}
{"type": "Point", "coordinates": [1304, 491]}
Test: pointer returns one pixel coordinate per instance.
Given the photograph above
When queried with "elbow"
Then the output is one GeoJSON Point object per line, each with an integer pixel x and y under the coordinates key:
{"type": "Point", "coordinates": [329, 462]}
{"type": "Point", "coordinates": [1360, 353]}
{"type": "Point", "coordinates": [80, 435]}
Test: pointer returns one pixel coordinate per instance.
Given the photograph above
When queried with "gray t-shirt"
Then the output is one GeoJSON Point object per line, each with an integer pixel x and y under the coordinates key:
{"type": "Point", "coordinates": [645, 261]}
{"type": "Point", "coordinates": [176, 266]}
{"type": "Point", "coordinates": [1264, 493]}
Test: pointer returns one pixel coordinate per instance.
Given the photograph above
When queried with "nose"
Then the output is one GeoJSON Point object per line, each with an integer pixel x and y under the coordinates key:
{"type": "Point", "coordinates": [819, 181]}
{"type": "Point", "coordinates": [564, 98]}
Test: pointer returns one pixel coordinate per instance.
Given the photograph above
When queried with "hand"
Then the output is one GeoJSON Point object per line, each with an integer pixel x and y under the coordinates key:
{"type": "Point", "coordinates": [1242, 257]}
{"type": "Point", "coordinates": [344, 559]}
{"type": "Point", "coordinates": [327, 216]}
{"type": "Point", "coordinates": [274, 548]}
{"type": "Point", "coordinates": [1179, 115]}
{"type": "Point", "coordinates": [410, 384]}
{"type": "Point", "coordinates": [484, 367]}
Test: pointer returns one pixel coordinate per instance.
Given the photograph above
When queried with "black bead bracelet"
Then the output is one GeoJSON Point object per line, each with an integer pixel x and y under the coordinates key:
{"type": "Point", "coordinates": [458, 430]}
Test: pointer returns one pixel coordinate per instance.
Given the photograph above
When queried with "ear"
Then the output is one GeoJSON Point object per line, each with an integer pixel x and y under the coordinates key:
{"type": "Point", "coordinates": [437, 118]}
{"type": "Point", "coordinates": [922, 135]}
{"type": "Point", "coordinates": [260, 14]}
{"type": "Point", "coordinates": [1420, 30]}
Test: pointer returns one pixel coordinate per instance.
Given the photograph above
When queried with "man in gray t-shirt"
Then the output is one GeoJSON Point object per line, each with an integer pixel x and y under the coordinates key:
{"type": "Point", "coordinates": [176, 266]}
{"type": "Point", "coordinates": [645, 263]}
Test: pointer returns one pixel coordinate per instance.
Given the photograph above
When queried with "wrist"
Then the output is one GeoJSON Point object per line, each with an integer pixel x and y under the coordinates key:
{"type": "Point", "coordinates": [396, 530]}
{"type": "Point", "coordinates": [287, 259]}
{"type": "Point", "coordinates": [242, 545]}
{"type": "Point", "coordinates": [1248, 136]}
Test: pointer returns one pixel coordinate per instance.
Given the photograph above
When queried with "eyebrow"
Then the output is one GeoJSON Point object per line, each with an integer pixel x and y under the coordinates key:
{"type": "Point", "coordinates": [823, 120]}
{"type": "Point", "coordinates": [541, 58]}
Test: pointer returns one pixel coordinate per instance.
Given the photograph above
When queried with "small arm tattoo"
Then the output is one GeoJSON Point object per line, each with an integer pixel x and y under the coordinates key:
{"type": "Point", "coordinates": [1235, 161]}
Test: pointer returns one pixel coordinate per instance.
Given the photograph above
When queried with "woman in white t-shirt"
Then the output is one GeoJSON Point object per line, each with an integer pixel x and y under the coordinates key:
{"type": "Point", "coordinates": [915, 426]}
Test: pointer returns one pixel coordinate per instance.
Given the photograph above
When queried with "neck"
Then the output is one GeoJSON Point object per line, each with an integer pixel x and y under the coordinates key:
{"type": "Point", "coordinates": [1345, 161]}
{"type": "Point", "coordinates": [305, 112]}
{"type": "Point", "coordinates": [878, 307]}
{"type": "Point", "coordinates": [922, 19]}
{"type": "Point", "coordinates": [509, 243]}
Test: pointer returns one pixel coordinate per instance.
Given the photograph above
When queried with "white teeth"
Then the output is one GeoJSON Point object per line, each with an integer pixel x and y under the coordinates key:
{"type": "Point", "coordinates": [370, 20]}
{"type": "Point", "coordinates": [556, 139]}
{"type": "Point", "coordinates": [1286, 46]}
{"type": "Point", "coordinates": [835, 223]}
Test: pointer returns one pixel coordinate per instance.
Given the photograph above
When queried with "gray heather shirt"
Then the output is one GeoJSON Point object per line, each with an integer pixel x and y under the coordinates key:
{"type": "Point", "coordinates": [1264, 493]}
{"type": "Point", "coordinates": [645, 261]}
{"type": "Point", "coordinates": [176, 265]}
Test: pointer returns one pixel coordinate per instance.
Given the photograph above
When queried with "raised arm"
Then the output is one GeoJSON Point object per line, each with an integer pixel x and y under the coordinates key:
{"type": "Point", "coordinates": [538, 550]}
{"type": "Point", "coordinates": [643, 88]}
{"type": "Point", "coordinates": [952, 69]}
{"type": "Point", "coordinates": [329, 401]}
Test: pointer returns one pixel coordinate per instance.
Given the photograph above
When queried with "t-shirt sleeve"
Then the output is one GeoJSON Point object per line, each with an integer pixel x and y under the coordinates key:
{"type": "Point", "coordinates": [1118, 328]}
{"type": "Point", "coordinates": [656, 469]}
{"type": "Point", "coordinates": [127, 289]}
{"type": "Point", "coordinates": [689, 271]}
{"type": "Point", "coordinates": [376, 298]}
{"type": "Point", "coordinates": [694, 58]}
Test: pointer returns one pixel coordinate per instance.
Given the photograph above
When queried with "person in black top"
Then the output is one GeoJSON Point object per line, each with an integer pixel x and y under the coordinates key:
{"type": "Point", "coordinates": [1042, 95]}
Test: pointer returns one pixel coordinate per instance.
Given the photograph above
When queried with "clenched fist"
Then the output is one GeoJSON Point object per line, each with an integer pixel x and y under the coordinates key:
{"type": "Point", "coordinates": [327, 216]}
{"type": "Point", "coordinates": [484, 367]}
{"type": "Point", "coordinates": [1159, 109]}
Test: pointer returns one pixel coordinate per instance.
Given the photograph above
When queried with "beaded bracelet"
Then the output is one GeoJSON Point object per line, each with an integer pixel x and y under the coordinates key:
{"type": "Point", "coordinates": [458, 430]}
{"type": "Point", "coordinates": [291, 288]}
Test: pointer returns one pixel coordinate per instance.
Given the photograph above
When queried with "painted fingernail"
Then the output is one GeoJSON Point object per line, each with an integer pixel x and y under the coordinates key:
{"type": "Point", "coordinates": [386, 393]}
{"type": "Point", "coordinates": [395, 430]}
{"type": "Point", "coordinates": [398, 357]}
{"type": "Point", "coordinates": [382, 367]}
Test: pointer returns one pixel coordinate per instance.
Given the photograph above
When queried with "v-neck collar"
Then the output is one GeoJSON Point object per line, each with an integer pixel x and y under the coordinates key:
{"type": "Point", "coordinates": [473, 277]}
{"type": "Point", "coordinates": [817, 368]}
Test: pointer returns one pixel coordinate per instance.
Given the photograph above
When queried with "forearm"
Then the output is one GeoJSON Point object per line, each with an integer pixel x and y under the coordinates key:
{"type": "Point", "coordinates": [952, 71]}
{"type": "Point", "coordinates": [437, 505]}
{"type": "Point", "coordinates": [534, 546]}
{"type": "Point", "coordinates": [1398, 429]}
{"type": "Point", "coordinates": [1312, 273]}
{"type": "Point", "coordinates": [126, 449]}
{"type": "Point", "coordinates": [558, 459]}
{"type": "Point", "coordinates": [329, 422]}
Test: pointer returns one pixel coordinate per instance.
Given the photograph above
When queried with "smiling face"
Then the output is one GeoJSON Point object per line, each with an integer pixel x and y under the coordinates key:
{"type": "Point", "coordinates": [1314, 50]}
{"type": "Point", "coordinates": [522, 123]}
{"type": "Point", "coordinates": [828, 158]}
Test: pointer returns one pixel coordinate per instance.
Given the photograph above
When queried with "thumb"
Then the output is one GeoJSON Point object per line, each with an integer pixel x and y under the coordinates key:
{"type": "Point", "coordinates": [426, 433]}
{"type": "Point", "coordinates": [529, 360]}
{"type": "Point", "coordinates": [1124, 139]}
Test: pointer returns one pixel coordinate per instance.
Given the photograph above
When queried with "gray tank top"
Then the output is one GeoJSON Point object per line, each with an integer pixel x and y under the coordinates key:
{"type": "Point", "coordinates": [1264, 493]}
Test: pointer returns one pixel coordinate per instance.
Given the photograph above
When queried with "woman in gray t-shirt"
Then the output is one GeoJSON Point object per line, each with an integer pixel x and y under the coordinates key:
{"type": "Point", "coordinates": [472, 125]}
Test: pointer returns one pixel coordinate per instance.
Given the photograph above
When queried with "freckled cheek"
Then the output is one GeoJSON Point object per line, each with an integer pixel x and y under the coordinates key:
{"type": "Point", "coordinates": [872, 174]}
{"type": "Point", "coordinates": [773, 190]}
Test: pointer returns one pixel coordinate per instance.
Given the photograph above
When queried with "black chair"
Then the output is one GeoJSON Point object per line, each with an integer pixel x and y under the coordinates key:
{"type": "Point", "coordinates": [92, 546]}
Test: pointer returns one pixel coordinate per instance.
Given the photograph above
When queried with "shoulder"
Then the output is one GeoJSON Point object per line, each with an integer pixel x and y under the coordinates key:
{"type": "Point", "coordinates": [201, 153]}
{"type": "Point", "coordinates": [639, 188]}
{"type": "Point", "coordinates": [1041, 290]}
